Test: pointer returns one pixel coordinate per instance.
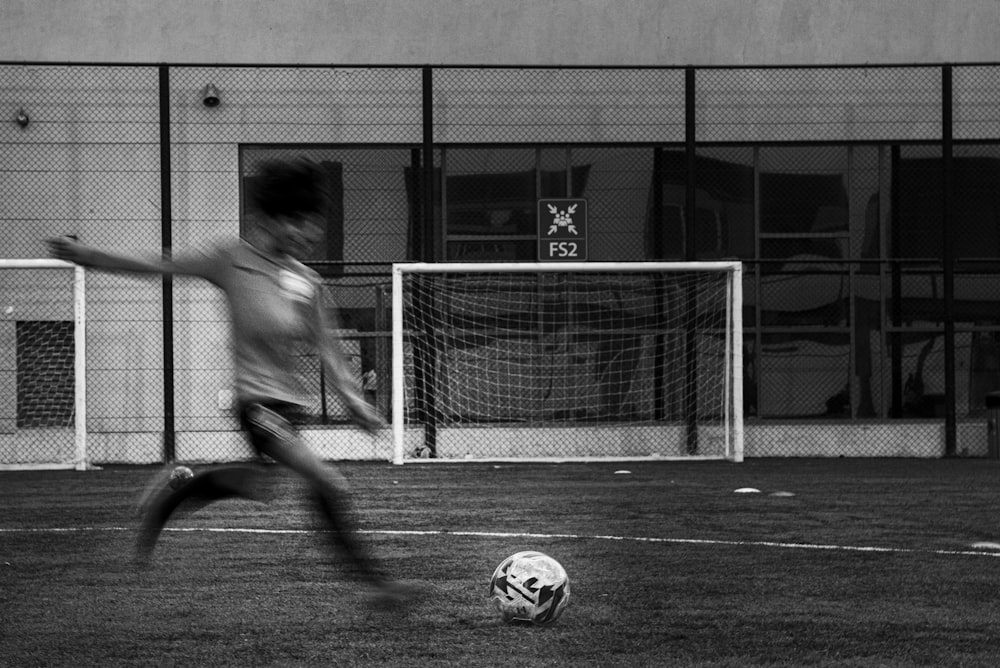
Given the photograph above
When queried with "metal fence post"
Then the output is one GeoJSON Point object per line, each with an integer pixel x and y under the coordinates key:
{"type": "Point", "coordinates": [166, 241]}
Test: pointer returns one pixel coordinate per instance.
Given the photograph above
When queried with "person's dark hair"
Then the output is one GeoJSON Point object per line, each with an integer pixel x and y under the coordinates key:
{"type": "Point", "coordinates": [288, 188]}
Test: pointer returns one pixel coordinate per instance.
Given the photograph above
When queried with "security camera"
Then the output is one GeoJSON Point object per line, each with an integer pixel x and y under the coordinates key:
{"type": "Point", "coordinates": [22, 119]}
{"type": "Point", "coordinates": [210, 96]}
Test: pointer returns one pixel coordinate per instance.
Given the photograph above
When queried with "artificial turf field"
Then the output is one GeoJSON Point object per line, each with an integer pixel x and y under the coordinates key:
{"type": "Point", "coordinates": [869, 563]}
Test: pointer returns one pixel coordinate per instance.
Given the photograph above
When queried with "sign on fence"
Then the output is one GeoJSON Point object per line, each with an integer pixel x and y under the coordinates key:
{"type": "Point", "coordinates": [562, 230]}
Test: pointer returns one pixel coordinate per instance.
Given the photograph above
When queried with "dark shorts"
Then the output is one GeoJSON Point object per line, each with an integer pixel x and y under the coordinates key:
{"type": "Point", "coordinates": [269, 425]}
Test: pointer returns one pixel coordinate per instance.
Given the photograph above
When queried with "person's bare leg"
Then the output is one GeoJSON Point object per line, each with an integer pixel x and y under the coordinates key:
{"type": "Point", "coordinates": [202, 489]}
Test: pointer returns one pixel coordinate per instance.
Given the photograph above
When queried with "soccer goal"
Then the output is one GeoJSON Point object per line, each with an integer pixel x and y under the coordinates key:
{"type": "Point", "coordinates": [42, 365]}
{"type": "Point", "coordinates": [567, 361]}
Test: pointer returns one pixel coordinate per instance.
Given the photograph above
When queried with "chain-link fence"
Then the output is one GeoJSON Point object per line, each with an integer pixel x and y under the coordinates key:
{"type": "Point", "coordinates": [862, 201]}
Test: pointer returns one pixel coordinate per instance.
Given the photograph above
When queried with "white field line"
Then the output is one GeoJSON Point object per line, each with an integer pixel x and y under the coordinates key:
{"type": "Point", "coordinates": [995, 553]}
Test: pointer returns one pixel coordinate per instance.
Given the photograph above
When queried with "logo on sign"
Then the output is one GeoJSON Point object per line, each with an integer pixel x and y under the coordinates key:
{"type": "Point", "coordinates": [562, 229]}
{"type": "Point", "coordinates": [562, 219]}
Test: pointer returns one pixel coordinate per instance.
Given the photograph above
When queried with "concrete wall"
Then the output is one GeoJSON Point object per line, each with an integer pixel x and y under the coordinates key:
{"type": "Point", "coordinates": [548, 32]}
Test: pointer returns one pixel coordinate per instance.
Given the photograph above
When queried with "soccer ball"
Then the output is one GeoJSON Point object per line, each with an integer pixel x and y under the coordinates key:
{"type": "Point", "coordinates": [529, 587]}
{"type": "Point", "coordinates": [180, 476]}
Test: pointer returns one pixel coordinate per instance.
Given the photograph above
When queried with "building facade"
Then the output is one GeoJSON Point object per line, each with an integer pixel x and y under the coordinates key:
{"type": "Point", "coordinates": [861, 196]}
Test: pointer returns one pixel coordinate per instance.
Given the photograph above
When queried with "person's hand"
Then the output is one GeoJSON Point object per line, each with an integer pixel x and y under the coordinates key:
{"type": "Point", "coordinates": [68, 249]}
{"type": "Point", "coordinates": [365, 416]}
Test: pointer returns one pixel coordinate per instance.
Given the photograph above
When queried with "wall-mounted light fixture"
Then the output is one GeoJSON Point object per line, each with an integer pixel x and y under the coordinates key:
{"type": "Point", "coordinates": [210, 96]}
{"type": "Point", "coordinates": [22, 119]}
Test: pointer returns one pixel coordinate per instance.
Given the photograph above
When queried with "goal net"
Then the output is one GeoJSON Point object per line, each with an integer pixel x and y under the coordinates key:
{"type": "Point", "coordinates": [42, 365]}
{"type": "Point", "coordinates": [567, 361]}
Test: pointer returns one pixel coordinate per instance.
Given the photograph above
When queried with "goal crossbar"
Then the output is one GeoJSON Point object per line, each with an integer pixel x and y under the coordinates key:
{"type": "Point", "coordinates": [454, 360]}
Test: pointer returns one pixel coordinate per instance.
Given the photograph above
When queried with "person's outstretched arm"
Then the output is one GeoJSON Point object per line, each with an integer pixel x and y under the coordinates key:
{"type": "Point", "coordinates": [71, 250]}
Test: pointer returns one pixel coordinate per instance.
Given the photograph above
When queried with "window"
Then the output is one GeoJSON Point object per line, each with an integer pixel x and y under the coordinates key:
{"type": "Point", "coordinates": [490, 197]}
{"type": "Point", "coordinates": [369, 204]}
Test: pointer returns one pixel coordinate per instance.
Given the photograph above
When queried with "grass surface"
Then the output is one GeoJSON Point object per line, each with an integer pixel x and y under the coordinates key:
{"type": "Point", "coordinates": [868, 564]}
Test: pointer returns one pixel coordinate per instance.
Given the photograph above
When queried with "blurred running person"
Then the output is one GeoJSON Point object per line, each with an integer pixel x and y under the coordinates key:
{"type": "Point", "coordinates": [275, 306]}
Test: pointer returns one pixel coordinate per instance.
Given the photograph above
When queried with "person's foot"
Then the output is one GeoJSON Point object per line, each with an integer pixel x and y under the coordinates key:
{"type": "Point", "coordinates": [157, 483]}
{"type": "Point", "coordinates": [148, 532]}
{"type": "Point", "coordinates": [151, 516]}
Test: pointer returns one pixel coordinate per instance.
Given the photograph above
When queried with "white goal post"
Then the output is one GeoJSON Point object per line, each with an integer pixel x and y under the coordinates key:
{"type": "Point", "coordinates": [567, 361]}
{"type": "Point", "coordinates": [43, 365]}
